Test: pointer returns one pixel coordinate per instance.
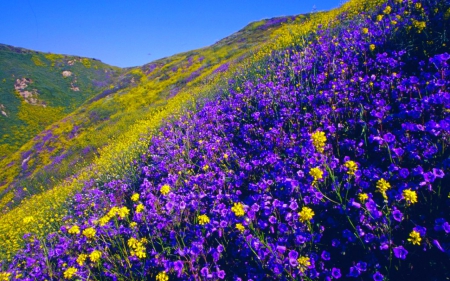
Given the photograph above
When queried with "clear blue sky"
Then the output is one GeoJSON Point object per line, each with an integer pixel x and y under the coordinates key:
{"type": "Point", "coordinates": [134, 32]}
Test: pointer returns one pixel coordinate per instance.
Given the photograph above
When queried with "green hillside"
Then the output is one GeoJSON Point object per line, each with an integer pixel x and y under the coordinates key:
{"type": "Point", "coordinates": [37, 89]}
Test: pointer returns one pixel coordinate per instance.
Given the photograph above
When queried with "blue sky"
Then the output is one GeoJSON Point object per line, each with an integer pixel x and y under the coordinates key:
{"type": "Point", "coordinates": [134, 32]}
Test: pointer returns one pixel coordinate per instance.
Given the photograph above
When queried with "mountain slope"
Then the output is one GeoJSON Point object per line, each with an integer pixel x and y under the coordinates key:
{"type": "Point", "coordinates": [37, 89]}
{"type": "Point", "coordinates": [111, 129]}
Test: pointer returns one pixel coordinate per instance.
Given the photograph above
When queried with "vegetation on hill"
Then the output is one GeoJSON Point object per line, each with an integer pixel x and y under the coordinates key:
{"type": "Point", "coordinates": [323, 155]}
{"type": "Point", "coordinates": [38, 89]}
{"type": "Point", "coordinates": [101, 138]}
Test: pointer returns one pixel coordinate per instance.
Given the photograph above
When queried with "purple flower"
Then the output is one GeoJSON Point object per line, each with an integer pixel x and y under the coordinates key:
{"type": "Point", "coordinates": [178, 266]}
{"type": "Point", "coordinates": [429, 177]}
{"type": "Point", "coordinates": [378, 276]}
{"type": "Point", "coordinates": [404, 173]}
{"type": "Point", "coordinates": [293, 205]}
{"type": "Point", "coordinates": [325, 256]}
{"type": "Point", "coordinates": [293, 255]}
{"type": "Point", "coordinates": [336, 273]}
{"type": "Point", "coordinates": [438, 173]}
{"type": "Point", "coordinates": [389, 137]}
{"type": "Point", "coordinates": [221, 274]}
{"type": "Point", "coordinates": [446, 227]}
{"type": "Point", "coordinates": [398, 216]}
{"type": "Point", "coordinates": [400, 252]}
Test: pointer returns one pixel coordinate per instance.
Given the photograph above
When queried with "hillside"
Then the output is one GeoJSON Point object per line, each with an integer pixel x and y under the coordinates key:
{"type": "Point", "coordinates": [37, 89]}
{"type": "Point", "coordinates": [112, 128]}
{"type": "Point", "coordinates": [322, 155]}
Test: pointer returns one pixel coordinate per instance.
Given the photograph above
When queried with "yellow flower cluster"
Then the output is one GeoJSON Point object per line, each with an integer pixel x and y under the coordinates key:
{"type": "Point", "coordinates": [165, 189]}
{"type": "Point", "coordinates": [303, 263]}
{"type": "Point", "coordinates": [137, 247]}
{"type": "Point", "coordinates": [351, 166]}
{"type": "Point", "coordinates": [162, 276]}
{"type": "Point", "coordinates": [383, 186]}
{"type": "Point", "coordinates": [306, 214]}
{"type": "Point", "coordinates": [4, 276]}
{"type": "Point", "coordinates": [81, 259]}
{"type": "Point", "coordinates": [203, 219]}
{"type": "Point", "coordinates": [240, 227]}
{"type": "Point", "coordinates": [363, 197]}
{"type": "Point", "coordinates": [75, 229]}
{"type": "Point", "coordinates": [419, 25]}
{"type": "Point", "coordinates": [387, 10]}
{"type": "Point", "coordinates": [319, 140]}
{"type": "Point", "coordinates": [414, 238]}
{"type": "Point", "coordinates": [316, 173]}
{"type": "Point", "coordinates": [135, 197]}
{"type": "Point", "coordinates": [95, 256]}
{"type": "Point", "coordinates": [139, 208]}
{"type": "Point", "coordinates": [410, 196]}
{"type": "Point", "coordinates": [89, 232]}
{"type": "Point", "coordinates": [68, 273]}
{"type": "Point", "coordinates": [238, 209]}
{"type": "Point", "coordinates": [121, 212]}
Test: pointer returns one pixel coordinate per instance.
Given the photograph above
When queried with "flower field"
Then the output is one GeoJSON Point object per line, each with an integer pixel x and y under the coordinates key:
{"type": "Point", "coordinates": [324, 156]}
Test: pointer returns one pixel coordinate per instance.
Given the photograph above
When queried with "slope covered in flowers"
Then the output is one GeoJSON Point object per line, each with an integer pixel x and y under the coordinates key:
{"type": "Point", "coordinates": [105, 134]}
{"type": "Point", "coordinates": [328, 160]}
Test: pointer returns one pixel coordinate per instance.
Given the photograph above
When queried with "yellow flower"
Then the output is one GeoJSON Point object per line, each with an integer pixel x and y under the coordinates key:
{"type": "Point", "coordinates": [132, 242]}
{"type": "Point", "coordinates": [165, 189]}
{"type": "Point", "coordinates": [225, 156]}
{"type": "Point", "coordinates": [306, 214]}
{"type": "Point", "coordinates": [133, 224]}
{"type": "Point", "coordinates": [135, 197]}
{"type": "Point", "coordinates": [393, 22]}
{"type": "Point", "coordinates": [89, 232]}
{"type": "Point", "coordinates": [139, 208]}
{"type": "Point", "coordinates": [240, 227]}
{"type": "Point", "coordinates": [379, 17]}
{"type": "Point", "coordinates": [68, 273]}
{"type": "Point", "coordinates": [319, 140]}
{"type": "Point", "coordinates": [205, 168]}
{"type": "Point", "coordinates": [303, 263]}
{"type": "Point", "coordinates": [351, 166]}
{"type": "Point", "coordinates": [363, 197]}
{"type": "Point", "coordinates": [4, 276]}
{"type": "Point", "coordinates": [27, 220]}
{"type": "Point", "coordinates": [162, 276]}
{"type": "Point", "coordinates": [365, 30]}
{"type": "Point", "coordinates": [123, 212]}
{"type": "Point", "coordinates": [414, 238]}
{"type": "Point", "coordinates": [81, 258]}
{"type": "Point", "coordinates": [75, 229]}
{"type": "Point", "coordinates": [95, 255]}
{"type": "Point", "coordinates": [238, 209]}
{"type": "Point", "coordinates": [410, 196]}
{"type": "Point", "coordinates": [383, 185]}
{"type": "Point", "coordinates": [316, 173]}
{"type": "Point", "coordinates": [387, 10]}
{"type": "Point", "coordinates": [203, 219]}
{"type": "Point", "coordinates": [103, 220]}
{"type": "Point", "coordinates": [372, 47]}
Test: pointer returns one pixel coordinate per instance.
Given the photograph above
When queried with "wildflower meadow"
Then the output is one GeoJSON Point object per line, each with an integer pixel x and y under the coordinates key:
{"type": "Point", "coordinates": [320, 157]}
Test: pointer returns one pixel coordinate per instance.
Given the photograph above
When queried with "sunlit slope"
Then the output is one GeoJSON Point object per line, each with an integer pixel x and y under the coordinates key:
{"type": "Point", "coordinates": [37, 89]}
{"type": "Point", "coordinates": [137, 94]}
